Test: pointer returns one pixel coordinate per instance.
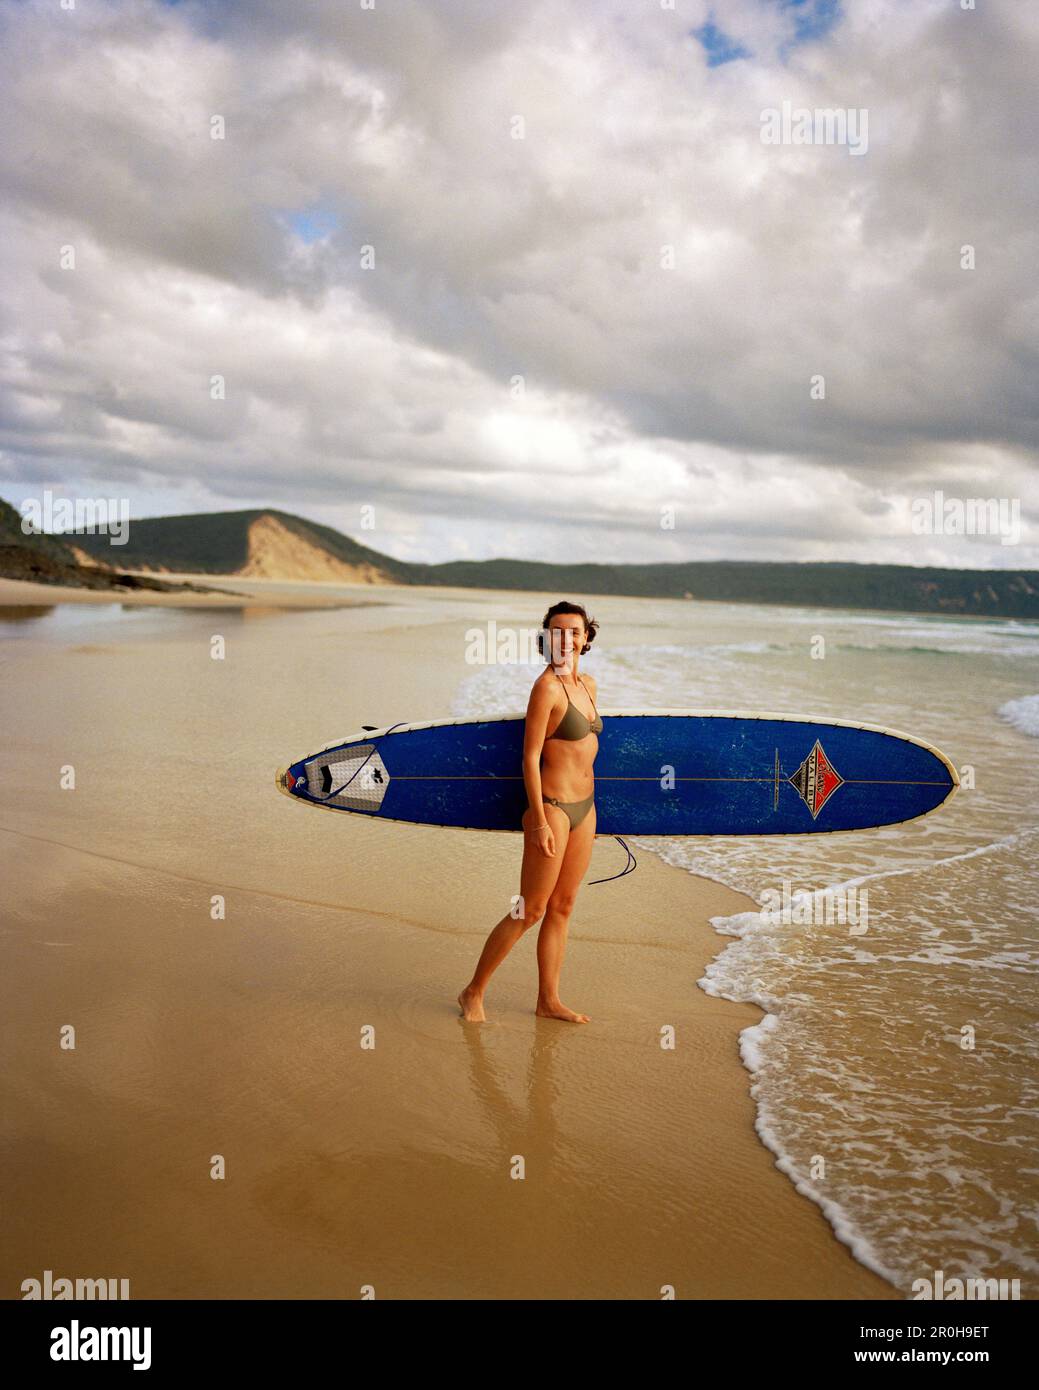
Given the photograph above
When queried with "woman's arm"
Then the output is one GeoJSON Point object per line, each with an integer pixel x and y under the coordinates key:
{"type": "Point", "coordinates": [539, 707]}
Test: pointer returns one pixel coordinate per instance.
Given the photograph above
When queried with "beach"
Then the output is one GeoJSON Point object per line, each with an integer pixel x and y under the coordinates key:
{"type": "Point", "coordinates": [242, 1034]}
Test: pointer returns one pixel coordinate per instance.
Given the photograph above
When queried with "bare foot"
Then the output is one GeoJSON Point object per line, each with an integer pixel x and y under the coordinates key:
{"type": "Point", "coordinates": [559, 1010]}
{"type": "Point", "coordinates": [472, 1005]}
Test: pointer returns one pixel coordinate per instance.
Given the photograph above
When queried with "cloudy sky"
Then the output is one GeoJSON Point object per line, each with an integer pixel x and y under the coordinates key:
{"type": "Point", "coordinates": [525, 277]}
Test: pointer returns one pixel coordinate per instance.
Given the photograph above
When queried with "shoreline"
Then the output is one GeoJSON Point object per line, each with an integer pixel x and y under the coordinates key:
{"type": "Point", "coordinates": [18, 593]}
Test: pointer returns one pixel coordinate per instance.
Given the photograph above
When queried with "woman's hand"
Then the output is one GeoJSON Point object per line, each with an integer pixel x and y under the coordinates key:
{"type": "Point", "coordinates": [546, 841]}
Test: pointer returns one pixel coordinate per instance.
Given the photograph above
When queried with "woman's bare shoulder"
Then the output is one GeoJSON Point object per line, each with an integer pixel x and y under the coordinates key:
{"type": "Point", "coordinates": [543, 688]}
{"type": "Point", "coordinates": [541, 701]}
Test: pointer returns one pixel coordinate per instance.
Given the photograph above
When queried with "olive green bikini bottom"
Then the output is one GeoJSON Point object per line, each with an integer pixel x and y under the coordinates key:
{"type": "Point", "coordinates": [575, 811]}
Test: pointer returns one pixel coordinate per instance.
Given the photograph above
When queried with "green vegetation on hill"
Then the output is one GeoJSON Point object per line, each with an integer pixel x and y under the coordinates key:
{"type": "Point", "coordinates": [39, 558]}
{"type": "Point", "coordinates": [218, 543]}
{"type": "Point", "coordinates": [12, 535]}
{"type": "Point", "coordinates": [901, 588]}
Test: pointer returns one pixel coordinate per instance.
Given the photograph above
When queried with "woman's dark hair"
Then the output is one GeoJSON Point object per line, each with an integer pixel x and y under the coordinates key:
{"type": "Point", "coordinates": [591, 626]}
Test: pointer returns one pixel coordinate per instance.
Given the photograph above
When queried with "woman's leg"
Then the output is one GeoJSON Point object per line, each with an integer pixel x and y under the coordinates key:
{"type": "Point", "coordinates": [552, 936]}
{"type": "Point", "coordinates": [537, 879]}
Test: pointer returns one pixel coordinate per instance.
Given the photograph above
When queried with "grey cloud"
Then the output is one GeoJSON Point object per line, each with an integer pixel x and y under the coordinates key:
{"type": "Point", "coordinates": [539, 257]}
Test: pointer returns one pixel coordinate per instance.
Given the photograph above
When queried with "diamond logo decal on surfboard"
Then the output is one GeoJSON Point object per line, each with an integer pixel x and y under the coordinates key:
{"type": "Point", "coordinates": [816, 780]}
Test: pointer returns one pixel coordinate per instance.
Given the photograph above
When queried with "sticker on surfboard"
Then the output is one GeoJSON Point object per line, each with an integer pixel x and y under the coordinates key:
{"type": "Point", "coordinates": [816, 780]}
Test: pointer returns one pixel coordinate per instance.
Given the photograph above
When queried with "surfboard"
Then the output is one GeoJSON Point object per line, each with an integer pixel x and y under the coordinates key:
{"type": "Point", "coordinates": [657, 772]}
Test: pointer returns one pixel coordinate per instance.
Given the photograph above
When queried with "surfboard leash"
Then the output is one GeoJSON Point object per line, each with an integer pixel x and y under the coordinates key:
{"type": "Point", "coordinates": [631, 864]}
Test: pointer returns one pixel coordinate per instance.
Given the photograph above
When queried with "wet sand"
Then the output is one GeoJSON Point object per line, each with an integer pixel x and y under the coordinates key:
{"type": "Point", "coordinates": [346, 1166]}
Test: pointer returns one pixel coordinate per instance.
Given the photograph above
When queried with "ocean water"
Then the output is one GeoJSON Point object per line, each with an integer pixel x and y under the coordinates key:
{"type": "Point", "coordinates": [895, 1073]}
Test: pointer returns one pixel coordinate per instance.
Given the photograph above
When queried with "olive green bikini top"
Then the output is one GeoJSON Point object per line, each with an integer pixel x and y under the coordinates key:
{"type": "Point", "coordinates": [575, 724]}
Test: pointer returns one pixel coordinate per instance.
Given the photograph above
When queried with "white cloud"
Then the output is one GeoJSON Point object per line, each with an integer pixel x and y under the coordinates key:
{"type": "Point", "coordinates": [539, 257]}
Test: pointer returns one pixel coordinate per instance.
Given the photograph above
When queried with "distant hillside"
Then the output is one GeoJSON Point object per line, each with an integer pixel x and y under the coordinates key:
{"type": "Point", "coordinates": [264, 544]}
{"type": "Point", "coordinates": [277, 545]}
{"type": "Point", "coordinates": [899, 588]}
{"type": "Point", "coordinates": [46, 559]}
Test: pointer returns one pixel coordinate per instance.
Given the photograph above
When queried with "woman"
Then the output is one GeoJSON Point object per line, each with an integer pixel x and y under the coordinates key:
{"type": "Point", "coordinates": [559, 822]}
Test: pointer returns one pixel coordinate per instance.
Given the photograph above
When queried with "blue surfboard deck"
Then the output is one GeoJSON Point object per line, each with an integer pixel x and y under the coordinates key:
{"type": "Point", "coordinates": [657, 772]}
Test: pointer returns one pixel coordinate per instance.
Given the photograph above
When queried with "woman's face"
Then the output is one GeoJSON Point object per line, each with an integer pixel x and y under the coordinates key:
{"type": "Point", "coordinates": [566, 637]}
